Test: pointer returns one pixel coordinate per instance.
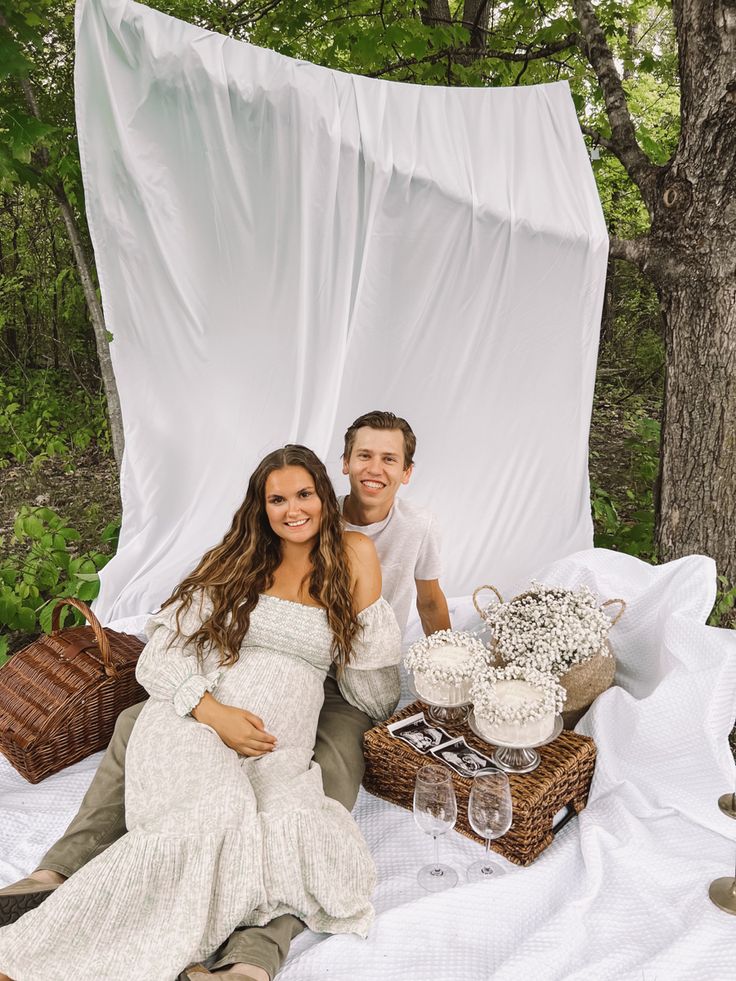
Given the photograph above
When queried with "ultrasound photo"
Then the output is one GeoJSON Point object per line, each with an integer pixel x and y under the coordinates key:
{"type": "Point", "coordinates": [418, 733]}
{"type": "Point", "coordinates": [462, 758]}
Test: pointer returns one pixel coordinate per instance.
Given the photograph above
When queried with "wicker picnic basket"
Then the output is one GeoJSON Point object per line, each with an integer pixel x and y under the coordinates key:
{"type": "Point", "coordinates": [61, 695]}
{"type": "Point", "coordinates": [562, 780]}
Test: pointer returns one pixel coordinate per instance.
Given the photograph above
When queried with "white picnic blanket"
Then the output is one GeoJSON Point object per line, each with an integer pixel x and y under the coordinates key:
{"type": "Point", "coordinates": [621, 895]}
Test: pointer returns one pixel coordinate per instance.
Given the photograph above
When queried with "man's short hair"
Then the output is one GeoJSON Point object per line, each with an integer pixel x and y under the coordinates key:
{"type": "Point", "coordinates": [382, 420]}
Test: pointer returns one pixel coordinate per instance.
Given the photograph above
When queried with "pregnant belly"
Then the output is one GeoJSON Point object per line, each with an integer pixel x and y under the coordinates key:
{"type": "Point", "coordinates": [285, 692]}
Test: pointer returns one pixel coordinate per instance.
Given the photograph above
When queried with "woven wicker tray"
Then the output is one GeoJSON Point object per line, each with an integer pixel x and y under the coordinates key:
{"type": "Point", "coordinates": [562, 779]}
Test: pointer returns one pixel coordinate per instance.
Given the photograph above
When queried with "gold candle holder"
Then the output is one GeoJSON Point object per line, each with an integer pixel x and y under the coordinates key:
{"type": "Point", "coordinates": [722, 892]}
{"type": "Point", "coordinates": [727, 803]}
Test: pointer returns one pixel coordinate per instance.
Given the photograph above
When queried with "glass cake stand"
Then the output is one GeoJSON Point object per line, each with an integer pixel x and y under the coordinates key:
{"type": "Point", "coordinates": [439, 712]}
{"type": "Point", "coordinates": [513, 758]}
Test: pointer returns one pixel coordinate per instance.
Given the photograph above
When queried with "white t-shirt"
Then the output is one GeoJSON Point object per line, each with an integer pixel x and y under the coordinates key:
{"type": "Point", "coordinates": [408, 546]}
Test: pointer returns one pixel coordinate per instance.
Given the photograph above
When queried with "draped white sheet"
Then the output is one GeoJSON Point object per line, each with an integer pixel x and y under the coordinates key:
{"type": "Point", "coordinates": [621, 894]}
{"type": "Point", "coordinates": [282, 247]}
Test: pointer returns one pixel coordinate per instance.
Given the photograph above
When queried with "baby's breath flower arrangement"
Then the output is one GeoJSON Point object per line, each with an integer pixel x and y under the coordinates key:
{"type": "Point", "coordinates": [549, 628]}
{"type": "Point", "coordinates": [486, 702]}
{"type": "Point", "coordinates": [420, 657]}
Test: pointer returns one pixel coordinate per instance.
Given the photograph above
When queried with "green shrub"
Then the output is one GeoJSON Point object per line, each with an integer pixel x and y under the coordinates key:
{"type": "Point", "coordinates": [49, 567]}
{"type": "Point", "coordinates": [723, 613]}
{"type": "Point", "coordinates": [46, 413]}
{"type": "Point", "coordinates": [635, 533]}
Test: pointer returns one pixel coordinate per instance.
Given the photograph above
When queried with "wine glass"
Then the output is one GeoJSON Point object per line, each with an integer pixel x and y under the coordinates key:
{"type": "Point", "coordinates": [435, 812]}
{"type": "Point", "coordinates": [489, 814]}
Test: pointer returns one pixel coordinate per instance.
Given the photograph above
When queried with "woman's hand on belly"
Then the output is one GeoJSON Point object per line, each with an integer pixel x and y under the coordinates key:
{"type": "Point", "coordinates": [237, 728]}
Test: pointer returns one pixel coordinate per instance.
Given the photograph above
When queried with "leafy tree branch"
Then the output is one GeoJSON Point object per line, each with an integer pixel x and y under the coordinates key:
{"type": "Point", "coordinates": [623, 141]}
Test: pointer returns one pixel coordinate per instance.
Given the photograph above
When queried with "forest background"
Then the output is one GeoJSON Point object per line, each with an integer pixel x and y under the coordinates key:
{"type": "Point", "coordinates": [654, 85]}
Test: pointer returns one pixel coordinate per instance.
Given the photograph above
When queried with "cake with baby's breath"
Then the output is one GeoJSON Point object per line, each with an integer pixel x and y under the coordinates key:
{"type": "Point", "coordinates": [444, 665]}
{"type": "Point", "coordinates": [549, 628]}
{"type": "Point", "coordinates": [516, 705]}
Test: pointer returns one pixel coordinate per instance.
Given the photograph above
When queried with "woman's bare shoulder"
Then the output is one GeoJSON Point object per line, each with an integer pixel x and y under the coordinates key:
{"type": "Point", "coordinates": [365, 568]}
{"type": "Point", "coordinates": [360, 545]}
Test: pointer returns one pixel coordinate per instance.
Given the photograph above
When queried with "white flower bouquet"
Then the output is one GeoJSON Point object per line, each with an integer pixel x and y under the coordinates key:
{"type": "Point", "coordinates": [549, 628]}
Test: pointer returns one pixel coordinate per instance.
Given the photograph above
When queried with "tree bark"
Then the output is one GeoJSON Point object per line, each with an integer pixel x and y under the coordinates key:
{"type": "Point", "coordinates": [476, 16]}
{"type": "Point", "coordinates": [688, 255]}
{"type": "Point", "coordinates": [693, 228]}
{"type": "Point", "coordinates": [97, 318]}
{"type": "Point", "coordinates": [697, 511]}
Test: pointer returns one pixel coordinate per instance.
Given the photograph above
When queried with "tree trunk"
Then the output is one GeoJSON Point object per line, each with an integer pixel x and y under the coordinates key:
{"type": "Point", "coordinates": [55, 339]}
{"type": "Point", "coordinates": [608, 313]}
{"type": "Point", "coordinates": [692, 231]}
{"type": "Point", "coordinates": [98, 323]}
{"type": "Point", "coordinates": [10, 337]}
{"type": "Point", "coordinates": [698, 467]}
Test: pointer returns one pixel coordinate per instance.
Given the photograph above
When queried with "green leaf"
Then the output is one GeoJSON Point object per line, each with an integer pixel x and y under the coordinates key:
{"type": "Point", "coordinates": [88, 590]}
{"type": "Point", "coordinates": [33, 526]}
{"type": "Point", "coordinates": [27, 619]}
{"type": "Point", "coordinates": [8, 610]}
{"type": "Point", "coordinates": [12, 60]}
{"type": "Point", "coordinates": [44, 616]}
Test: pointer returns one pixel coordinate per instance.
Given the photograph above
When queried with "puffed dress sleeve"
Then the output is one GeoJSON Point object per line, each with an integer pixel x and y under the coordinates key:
{"type": "Point", "coordinates": [371, 681]}
{"type": "Point", "coordinates": [168, 667]}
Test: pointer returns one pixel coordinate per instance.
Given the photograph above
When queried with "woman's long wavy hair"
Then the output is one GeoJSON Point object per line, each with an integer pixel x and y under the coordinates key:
{"type": "Point", "coordinates": [233, 574]}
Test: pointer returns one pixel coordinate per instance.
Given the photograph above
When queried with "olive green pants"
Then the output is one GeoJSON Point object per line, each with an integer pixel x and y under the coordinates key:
{"type": "Point", "coordinates": [101, 817]}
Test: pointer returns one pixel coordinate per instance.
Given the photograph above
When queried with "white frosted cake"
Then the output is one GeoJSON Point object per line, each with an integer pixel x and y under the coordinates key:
{"type": "Point", "coordinates": [444, 665]}
{"type": "Point", "coordinates": [516, 694]}
{"type": "Point", "coordinates": [516, 705]}
{"type": "Point", "coordinates": [450, 659]}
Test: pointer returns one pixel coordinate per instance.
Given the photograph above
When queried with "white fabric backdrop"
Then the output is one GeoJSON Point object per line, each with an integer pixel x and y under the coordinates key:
{"type": "Point", "coordinates": [282, 247]}
{"type": "Point", "coordinates": [621, 895]}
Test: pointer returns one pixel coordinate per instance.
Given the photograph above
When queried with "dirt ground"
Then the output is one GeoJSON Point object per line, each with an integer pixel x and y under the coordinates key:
{"type": "Point", "coordinates": [83, 489]}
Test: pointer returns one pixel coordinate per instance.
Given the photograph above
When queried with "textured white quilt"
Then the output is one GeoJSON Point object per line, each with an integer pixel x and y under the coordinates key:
{"type": "Point", "coordinates": [622, 893]}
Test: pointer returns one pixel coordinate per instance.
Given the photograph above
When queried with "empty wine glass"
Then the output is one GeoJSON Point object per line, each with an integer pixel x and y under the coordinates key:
{"type": "Point", "coordinates": [435, 812]}
{"type": "Point", "coordinates": [489, 814]}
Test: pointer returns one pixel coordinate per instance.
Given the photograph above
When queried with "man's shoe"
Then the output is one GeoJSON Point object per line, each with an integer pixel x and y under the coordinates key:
{"type": "Point", "coordinates": [18, 898]}
{"type": "Point", "coordinates": [198, 972]}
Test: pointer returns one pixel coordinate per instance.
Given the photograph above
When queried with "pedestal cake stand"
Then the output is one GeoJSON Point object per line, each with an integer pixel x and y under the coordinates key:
{"type": "Point", "coordinates": [455, 714]}
{"type": "Point", "coordinates": [514, 758]}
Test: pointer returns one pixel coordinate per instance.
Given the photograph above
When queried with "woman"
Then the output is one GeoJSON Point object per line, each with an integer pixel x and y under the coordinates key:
{"type": "Point", "coordinates": [215, 838]}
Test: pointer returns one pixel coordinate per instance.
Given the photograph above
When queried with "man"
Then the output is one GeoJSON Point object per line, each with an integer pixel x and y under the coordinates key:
{"type": "Point", "coordinates": [378, 458]}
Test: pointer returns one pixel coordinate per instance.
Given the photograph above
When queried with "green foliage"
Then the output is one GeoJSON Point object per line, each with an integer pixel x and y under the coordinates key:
{"type": "Point", "coordinates": [49, 567]}
{"type": "Point", "coordinates": [37, 43]}
{"type": "Point", "coordinates": [634, 533]}
{"type": "Point", "coordinates": [45, 413]}
{"type": "Point", "coordinates": [723, 613]}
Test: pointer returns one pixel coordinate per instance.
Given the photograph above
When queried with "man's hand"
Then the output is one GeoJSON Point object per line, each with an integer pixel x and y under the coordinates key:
{"type": "Point", "coordinates": [236, 727]}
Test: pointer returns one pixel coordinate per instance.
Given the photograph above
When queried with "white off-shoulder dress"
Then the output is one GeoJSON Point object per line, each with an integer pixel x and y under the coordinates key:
{"type": "Point", "coordinates": [216, 839]}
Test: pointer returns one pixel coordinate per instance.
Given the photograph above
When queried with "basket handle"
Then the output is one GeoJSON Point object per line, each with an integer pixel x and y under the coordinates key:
{"type": "Point", "coordinates": [620, 612]}
{"type": "Point", "coordinates": [100, 636]}
{"type": "Point", "coordinates": [481, 610]}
